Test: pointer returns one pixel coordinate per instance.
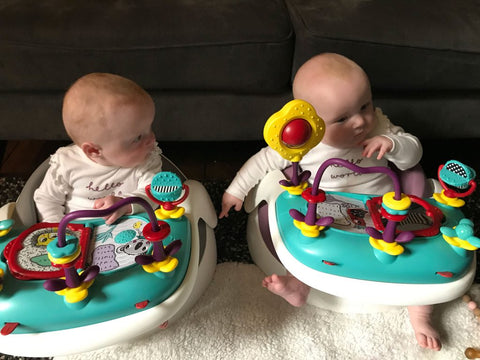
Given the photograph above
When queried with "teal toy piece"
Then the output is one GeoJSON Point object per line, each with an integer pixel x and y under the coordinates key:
{"type": "Point", "coordinates": [461, 235]}
{"type": "Point", "coordinates": [6, 224]}
{"type": "Point", "coordinates": [464, 231]}
{"type": "Point", "coordinates": [456, 174]}
{"type": "Point", "coordinates": [69, 249]}
{"type": "Point", "coordinates": [166, 186]}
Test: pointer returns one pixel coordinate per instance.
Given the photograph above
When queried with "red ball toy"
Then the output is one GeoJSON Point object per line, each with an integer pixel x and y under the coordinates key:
{"type": "Point", "coordinates": [296, 133]}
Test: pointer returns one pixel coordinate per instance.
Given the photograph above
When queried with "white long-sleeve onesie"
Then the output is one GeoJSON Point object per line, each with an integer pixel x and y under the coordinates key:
{"type": "Point", "coordinates": [74, 182]}
{"type": "Point", "coordinates": [406, 153]}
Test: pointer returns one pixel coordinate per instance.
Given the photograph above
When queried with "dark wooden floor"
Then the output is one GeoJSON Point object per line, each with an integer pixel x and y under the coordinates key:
{"type": "Point", "coordinates": [198, 160]}
{"type": "Point", "coordinates": [221, 160]}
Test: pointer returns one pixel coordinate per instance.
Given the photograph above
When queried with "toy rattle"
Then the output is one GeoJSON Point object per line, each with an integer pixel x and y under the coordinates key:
{"type": "Point", "coordinates": [165, 190]}
{"type": "Point", "coordinates": [457, 181]}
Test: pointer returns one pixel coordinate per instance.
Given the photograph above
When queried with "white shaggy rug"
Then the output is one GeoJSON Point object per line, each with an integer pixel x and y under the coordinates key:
{"type": "Point", "coordinates": [238, 319]}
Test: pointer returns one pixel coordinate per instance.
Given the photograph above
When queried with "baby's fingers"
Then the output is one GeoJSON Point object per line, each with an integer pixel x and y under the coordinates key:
{"type": "Point", "coordinates": [238, 206]}
{"type": "Point", "coordinates": [368, 150]}
{"type": "Point", "coordinates": [98, 204]}
{"type": "Point", "coordinates": [382, 151]}
{"type": "Point", "coordinates": [224, 212]}
{"type": "Point", "coordinates": [110, 219]}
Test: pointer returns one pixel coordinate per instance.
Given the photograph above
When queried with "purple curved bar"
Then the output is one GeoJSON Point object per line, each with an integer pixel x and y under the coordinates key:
{"type": "Point", "coordinates": [311, 216]}
{"type": "Point", "coordinates": [104, 212]}
{"type": "Point", "coordinates": [358, 169]}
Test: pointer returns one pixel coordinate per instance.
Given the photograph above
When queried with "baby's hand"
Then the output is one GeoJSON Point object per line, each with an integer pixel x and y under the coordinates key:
{"type": "Point", "coordinates": [229, 201]}
{"type": "Point", "coordinates": [108, 201]}
{"type": "Point", "coordinates": [381, 144]}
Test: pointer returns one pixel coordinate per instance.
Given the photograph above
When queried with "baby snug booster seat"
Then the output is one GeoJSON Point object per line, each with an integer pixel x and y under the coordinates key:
{"type": "Point", "coordinates": [81, 285]}
{"type": "Point", "coordinates": [358, 253]}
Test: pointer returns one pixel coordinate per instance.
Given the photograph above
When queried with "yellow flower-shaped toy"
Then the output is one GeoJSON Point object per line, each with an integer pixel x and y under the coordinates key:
{"type": "Point", "coordinates": [294, 130]}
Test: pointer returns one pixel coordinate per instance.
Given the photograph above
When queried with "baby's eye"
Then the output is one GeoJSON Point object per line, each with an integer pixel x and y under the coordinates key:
{"type": "Point", "coordinates": [341, 120]}
{"type": "Point", "coordinates": [138, 139]}
{"type": "Point", "coordinates": [365, 106]}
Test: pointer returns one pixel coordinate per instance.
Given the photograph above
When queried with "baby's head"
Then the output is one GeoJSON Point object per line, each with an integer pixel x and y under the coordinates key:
{"type": "Point", "coordinates": [110, 118]}
{"type": "Point", "coordinates": [339, 90]}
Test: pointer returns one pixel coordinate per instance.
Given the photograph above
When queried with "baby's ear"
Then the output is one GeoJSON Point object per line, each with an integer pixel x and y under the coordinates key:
{"type": "Point", "coordinates": [92, 151]}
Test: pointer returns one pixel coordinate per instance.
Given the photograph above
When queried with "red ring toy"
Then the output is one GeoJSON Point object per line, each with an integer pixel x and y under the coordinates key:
{"type": "Point", "coordinates": [154, 236]}
{"type": "Point", "coordinates": [313, 199]}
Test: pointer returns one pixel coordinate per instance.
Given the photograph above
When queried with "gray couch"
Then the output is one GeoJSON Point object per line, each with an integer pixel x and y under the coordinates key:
{"type": "Point", "coordinates": [218, 68]}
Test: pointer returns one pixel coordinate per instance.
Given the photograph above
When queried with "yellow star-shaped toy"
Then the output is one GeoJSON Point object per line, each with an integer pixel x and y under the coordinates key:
{"type": "Point", "coordinates": [165, 266]}
{"type": "Point", "coordinates": [445, 200]}
{"type": "Point", "coordinates": [392, 248]}
{"type": "Point", "coordinates": [295, 190]}
{"type": "Point", "coordinates": [74, 295]}
{"type": "Point", "coordinates": [163, 214]}
{"type": "Point", "coordinates": [308, 230]}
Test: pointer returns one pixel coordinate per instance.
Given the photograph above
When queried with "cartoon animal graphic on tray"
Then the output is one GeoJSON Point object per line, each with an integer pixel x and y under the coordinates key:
{"type": "Point", "coordinates": [347, 213]}
{"type": "Point", "coordinates": [117, 245]}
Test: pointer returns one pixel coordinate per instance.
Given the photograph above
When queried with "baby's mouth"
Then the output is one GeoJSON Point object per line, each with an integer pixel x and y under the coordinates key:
{"type": "Point", "coordinates": [360, 137]}
{"type": "Point", "coordinates": [360, 134]}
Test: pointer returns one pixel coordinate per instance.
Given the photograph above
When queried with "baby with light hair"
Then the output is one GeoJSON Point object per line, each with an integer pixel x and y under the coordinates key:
{"type": "Point", "coordinates": [114, 153]}
{"type": "Point", "coordinates": [356, 131]}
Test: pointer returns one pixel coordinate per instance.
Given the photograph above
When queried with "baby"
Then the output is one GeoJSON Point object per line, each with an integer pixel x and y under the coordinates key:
{"type": "Point", "coordinates": [339, 90]}
{"type": "Point", "coordinates": [113, 155]}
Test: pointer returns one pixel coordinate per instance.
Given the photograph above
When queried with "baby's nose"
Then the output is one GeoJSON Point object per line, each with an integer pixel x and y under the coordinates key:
{"type": "Point", "coordinates": [358, 121]}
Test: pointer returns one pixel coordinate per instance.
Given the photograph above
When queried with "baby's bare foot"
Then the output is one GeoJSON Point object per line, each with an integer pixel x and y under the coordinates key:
{"type": "Point", "coordinates": [425, 334]}
{"type": "Point", "coordinates": [288, 287]}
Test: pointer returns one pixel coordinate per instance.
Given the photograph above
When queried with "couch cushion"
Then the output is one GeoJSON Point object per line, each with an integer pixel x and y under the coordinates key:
{"type": "Point", "coordinates": [237, 45]}
{"type": "Point", "coordinates": [408, 44]}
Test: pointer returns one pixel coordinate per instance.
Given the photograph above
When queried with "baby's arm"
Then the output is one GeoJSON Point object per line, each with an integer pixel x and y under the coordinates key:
{"type": "Point", "coordinates": [406, 150]}
{"type": "Point", "coordinates": [50, 198]}
{"type": "Point", "coordinates": [248, 176]}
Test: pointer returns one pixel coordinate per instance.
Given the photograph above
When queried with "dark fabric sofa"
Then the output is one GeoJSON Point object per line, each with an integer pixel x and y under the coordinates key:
{"type": "Point", "coordinates": [218, 68]}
